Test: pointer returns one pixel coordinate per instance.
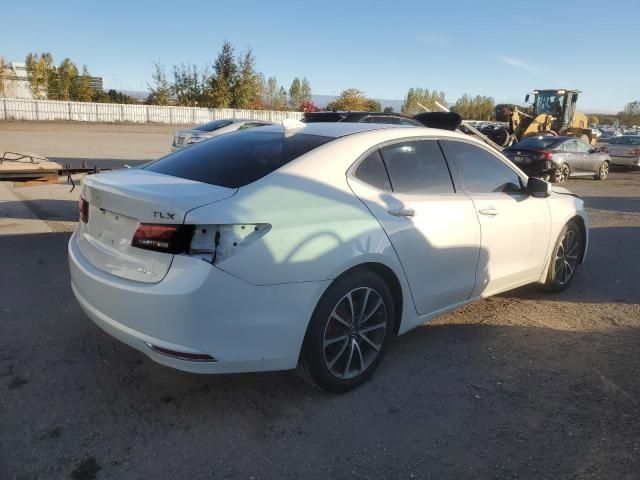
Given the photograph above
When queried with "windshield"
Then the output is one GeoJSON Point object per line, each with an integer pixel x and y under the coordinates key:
{"type": "Point", "coordinates": [628, 140]}
{"type": "Point", "coordinates": [215, 125]}
{"type": "Point", "coordinates": [236, 159]}
{"type": "Point", "coordinates": [549, 102]}
{"type": "Point", "coordinates": [537, 142]}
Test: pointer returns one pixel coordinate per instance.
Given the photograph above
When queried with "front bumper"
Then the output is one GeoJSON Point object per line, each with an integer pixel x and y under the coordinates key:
{"type": "Point", "coordinates": [198, 308]}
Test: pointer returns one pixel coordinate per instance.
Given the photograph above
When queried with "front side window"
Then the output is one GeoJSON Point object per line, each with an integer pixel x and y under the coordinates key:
{"type": "Point", "coordinates": [417, 167]}
{"type": "Point", "coordinates": [480, 171]}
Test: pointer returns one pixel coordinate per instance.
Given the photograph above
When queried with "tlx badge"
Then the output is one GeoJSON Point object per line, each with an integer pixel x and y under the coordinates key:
{"type": "Point", "coordinates": [164, 215]}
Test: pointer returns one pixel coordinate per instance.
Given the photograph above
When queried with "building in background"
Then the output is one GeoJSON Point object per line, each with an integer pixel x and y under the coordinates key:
{"type": "Point", "coordinates": [14, 81]}
{"type": "Point", "coordinates": [96, 84]}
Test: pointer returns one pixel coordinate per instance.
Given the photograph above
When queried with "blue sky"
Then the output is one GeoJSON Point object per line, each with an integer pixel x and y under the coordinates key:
{"type": "Point", "coordinates": [492, 48]}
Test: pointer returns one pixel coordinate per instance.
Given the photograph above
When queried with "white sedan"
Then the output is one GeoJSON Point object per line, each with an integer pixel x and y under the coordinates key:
{"type": "Point", "coordinates": [311, 245]}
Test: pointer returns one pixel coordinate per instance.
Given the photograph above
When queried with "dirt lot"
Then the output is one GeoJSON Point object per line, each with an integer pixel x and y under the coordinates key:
{"type": "Point", "coordinates": [523, 385]}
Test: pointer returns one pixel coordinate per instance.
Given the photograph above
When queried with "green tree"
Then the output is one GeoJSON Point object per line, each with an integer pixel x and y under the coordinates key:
{"type": "Point", "coordinates": [373, 105]}
{"type": "Point", "coordinates": [65, 80]}
{"type": "Point", "coordinates": [422, 96]}
{"type": "Point", "coordinates": [631, 114]}
{"type": "Point", "coordinates": [247, 91]}
{"type": "Point", "coordinates": [40, 73]}
{"type": "Point", "coordinates": [83, 91]}
{"type": "Point", "coordinates": [273, 98]}
{"type": "Point", "coordinates": [388, 110]}
{"type": "Point", "coordinates": [186, 85]}
{"type": "Point", "coordinates": [225, 78]}
{"type": "Point", "coordinates": [160, 89]}
{"type": "Point", "coordinates": [295, 94]}
{"type": "Point", "coordinates": [475, 108]}
{"type": "Point", "coordinates": [350, 99]}
{"type": "Point", "coordinates": [305, 90]}
{"type": "Point", "coordinates": [594, 120]}
{"type": "Point", "coordinates": [3, 76]}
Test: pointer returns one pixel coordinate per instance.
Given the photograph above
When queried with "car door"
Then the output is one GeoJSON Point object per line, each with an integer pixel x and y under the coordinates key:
{"type": "Point", "coordinates": [515, 226]}
{"type": "Point", "coordinates": [590, 158]}
{"type": "Point", "coordinates": [434, 230]}
{"type": "Point", "coordinates": [575, 156]}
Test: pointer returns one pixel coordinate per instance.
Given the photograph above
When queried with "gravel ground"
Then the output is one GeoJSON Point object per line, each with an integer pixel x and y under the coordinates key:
{"type": "Point", "coordinates": [522, 385]}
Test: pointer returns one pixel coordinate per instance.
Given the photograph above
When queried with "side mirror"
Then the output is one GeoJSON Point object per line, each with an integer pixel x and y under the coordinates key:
{"type": "Point", "coordinates": [538, 187]}
{"type": "Point", "coordinates": [526, 99]}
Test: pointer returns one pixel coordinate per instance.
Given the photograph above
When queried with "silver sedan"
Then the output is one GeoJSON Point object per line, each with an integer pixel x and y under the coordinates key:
{"type": "Point", "coordinates": [624, 150]}
{"type": "Point", "coordinates": [186, 138]}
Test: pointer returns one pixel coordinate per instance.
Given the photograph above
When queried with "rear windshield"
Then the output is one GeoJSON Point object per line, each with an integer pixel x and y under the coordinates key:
{"type": "Point", "coordinates": [236, 159]}
{"type": "Point", "coordinates": [630, 140]}
{"type": "Point", "coordinates": [215, 125]}
{"type": "Point", "coordinates": [537, 142]}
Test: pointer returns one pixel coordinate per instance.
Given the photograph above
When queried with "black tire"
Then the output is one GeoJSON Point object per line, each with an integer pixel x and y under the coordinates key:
{"type": "Point", "coordinates": [561, 173]}
{"type": "Point", "coordinates": [323, 357]}
{"type": "Point", "coordinates": [603, 171]}
{"type": "Point", "coordinates": [564, 258]}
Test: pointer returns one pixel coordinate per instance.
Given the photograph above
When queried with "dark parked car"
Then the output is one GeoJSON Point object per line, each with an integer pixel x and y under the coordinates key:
{"type": "Point", "coordinates": [360, 117]}
{"type": "Point", "coordinates": [558, 158]}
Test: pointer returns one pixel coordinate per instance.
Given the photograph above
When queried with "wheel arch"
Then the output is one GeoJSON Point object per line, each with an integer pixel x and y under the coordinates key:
{"type": "Point", "coordinates": [583, 230]}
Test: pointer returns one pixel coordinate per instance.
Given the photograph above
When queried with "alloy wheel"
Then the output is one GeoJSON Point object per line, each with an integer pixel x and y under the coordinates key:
{"type": "Point", "coordinates": [567, 257]}
{"type": "Point", "coordinates": [563, 174]}
{"type": "Point", "coordinates": [604, 170]}
{"type": "Point", "coordinates": [355, 333]}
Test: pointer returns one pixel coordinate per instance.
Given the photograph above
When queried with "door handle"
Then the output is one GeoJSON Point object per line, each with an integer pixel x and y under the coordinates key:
{"type": "Point", "coordinates": [489, 212]}
{"type": "Point", "coordinates": [402, 212]}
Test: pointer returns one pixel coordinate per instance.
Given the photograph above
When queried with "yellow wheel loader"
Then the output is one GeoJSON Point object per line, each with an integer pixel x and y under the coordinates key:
{"type": "Point", "coordinates": [553, 112]}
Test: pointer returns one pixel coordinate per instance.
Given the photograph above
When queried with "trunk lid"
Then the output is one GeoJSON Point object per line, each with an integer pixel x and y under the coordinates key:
{"type": "Point", "coordinates": [523, 157]}
{"type": "Point", "coordinates": [120, 201]}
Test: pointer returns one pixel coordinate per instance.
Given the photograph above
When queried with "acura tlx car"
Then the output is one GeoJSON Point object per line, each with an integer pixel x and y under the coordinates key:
{"type": "Point", "coordinates": [310, 246]}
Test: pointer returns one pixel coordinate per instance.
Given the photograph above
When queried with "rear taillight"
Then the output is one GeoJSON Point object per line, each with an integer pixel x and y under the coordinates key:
{"type": "Point", "coordinates": [83, 207]}
{"type": "Point", "coordinates": [163, 238]}
{"type": "Point", "coordinates": [545, 155]}
{"type": "Point", "coordinates": [212, 243]}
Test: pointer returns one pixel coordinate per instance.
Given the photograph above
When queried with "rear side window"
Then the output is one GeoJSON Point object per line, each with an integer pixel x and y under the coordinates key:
{"type": "Point", "coordinates": [417, 167]}
{"type": "Point", "coordinates": [236, 159]}
{"type": "Point", "coordinates": [372, 172]}
{"type": "Point", "coordinates": [481, 171]}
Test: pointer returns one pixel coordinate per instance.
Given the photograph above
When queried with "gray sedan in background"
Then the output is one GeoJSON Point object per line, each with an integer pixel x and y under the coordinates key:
{"type": "Point", "coordinates": [186, 138]}
{"type": "Point", "coordinates": [557, 158]}
{"type": "Point", "coordinates": [624, 150]}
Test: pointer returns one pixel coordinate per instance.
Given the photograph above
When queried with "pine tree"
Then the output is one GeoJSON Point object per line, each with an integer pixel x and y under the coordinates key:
{"type": "Point", "coordinates": [225, 79]}
{"type": "Point", "coordinates": [247, 90]}
{"type": "Point", "coordinates": [295, 94]}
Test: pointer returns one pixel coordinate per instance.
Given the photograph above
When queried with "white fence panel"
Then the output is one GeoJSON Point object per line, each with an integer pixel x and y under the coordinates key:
{"type": "Point", "coordinates": [24, 109]}
{"type": "Point", "coordinates": [109, 112]}
{"type": "Point", "coordinates": [135, 114]}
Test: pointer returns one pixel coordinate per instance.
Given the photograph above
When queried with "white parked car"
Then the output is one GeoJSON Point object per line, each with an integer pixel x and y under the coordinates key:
{"type": "Point", "coordinates": [310, 246]}
{"type": "Point", "coordinates": [186, 138]}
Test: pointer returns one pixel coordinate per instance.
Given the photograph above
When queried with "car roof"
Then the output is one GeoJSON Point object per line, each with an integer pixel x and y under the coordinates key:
{"type": "Point", "coordinates": [335, 129]}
